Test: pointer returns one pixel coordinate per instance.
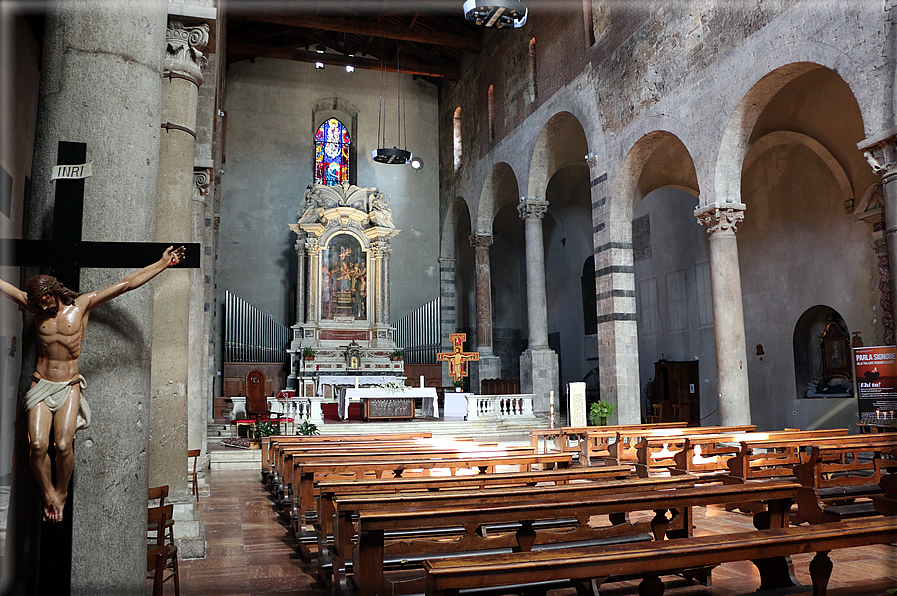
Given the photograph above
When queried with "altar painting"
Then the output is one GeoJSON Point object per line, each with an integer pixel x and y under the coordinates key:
{"type": "Point", "coordinates": [344, 279]}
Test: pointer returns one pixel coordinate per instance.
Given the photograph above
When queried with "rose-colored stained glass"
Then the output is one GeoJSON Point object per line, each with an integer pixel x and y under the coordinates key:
{"type": "Point", "coordinates": [332, 153]}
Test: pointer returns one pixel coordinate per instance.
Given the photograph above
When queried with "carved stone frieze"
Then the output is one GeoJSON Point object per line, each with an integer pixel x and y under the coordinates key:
{"type": "Point", "coordinates": [530, 208]}
{"type": "Point", "coordinates": [721, 218]}
{"type": "Point", "coordinates": [202, 182]}
{"type": "Point", "coordinates": [184, 46]}
{"type": "Point", "coordinates": [480, 241]}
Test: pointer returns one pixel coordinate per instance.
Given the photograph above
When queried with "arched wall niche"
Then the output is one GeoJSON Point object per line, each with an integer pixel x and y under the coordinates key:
{"type": "Point", "coordinates": [808, 376]}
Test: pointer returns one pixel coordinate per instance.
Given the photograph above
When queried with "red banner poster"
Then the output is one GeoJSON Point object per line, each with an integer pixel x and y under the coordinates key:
{"type": "Point", "coordinates": [875, 371]}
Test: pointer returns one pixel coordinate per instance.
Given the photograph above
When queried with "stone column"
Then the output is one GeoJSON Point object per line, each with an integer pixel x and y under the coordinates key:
{"type": "Point", "coordinates": [880, 246]}
{"type": "Point", "coordinates": [448, 306]}
{"type": "Point", "coordinates": [538, 364]}
{"type": "Point", "coordinates": [489, 366]}
{"type": "Point", "coordinates": [881, 153]}
{"type": "Point", "coordinates": [314, 276]}
{"type": "Point", "coordinates": [94, 52]}
{"type": "Point", "coordinates": [728, 311]}
{"type": "Point", "coordinates": [300, 280]}
{"type": "Point", "coordinates": [181, 79]}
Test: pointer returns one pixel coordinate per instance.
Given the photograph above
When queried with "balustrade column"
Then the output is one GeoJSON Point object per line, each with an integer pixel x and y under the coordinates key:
{"type": "Point", "coordinates": [728, 311]}
{"type": "Point", "coordinates": [881, 153]}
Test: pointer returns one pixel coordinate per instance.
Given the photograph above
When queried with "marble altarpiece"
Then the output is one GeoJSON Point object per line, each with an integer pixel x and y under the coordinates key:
{"type": "Point", "coordinates": [343, 233]}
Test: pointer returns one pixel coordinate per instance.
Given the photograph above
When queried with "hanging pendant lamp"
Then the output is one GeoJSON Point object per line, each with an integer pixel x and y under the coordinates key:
{"type": "Point", "coordinates": [496, 13]}
{"type": "Point", "coordinates": [384, 154]}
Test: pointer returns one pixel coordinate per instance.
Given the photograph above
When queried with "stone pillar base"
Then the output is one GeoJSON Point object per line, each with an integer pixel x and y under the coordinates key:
{"type": "Point", "coordinates": [489, 367]}
{"type": "Point", "coordinates": [190, 534]}
{"type": "Point", "coordinates": [539, 376]}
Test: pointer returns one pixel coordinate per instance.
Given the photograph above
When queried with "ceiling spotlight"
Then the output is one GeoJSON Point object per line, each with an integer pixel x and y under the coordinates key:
{"type": "Point", "coordinates": [495, 13]}
{"type": "Point", "coordinates": [416, 163]}
{"type": "Point", "coordinates": [319, 65]}
{"type": "Point", "coordinates": [394, 156]}
{"type": "Point", "coordinates": [350, 68]}
{"type": "Point", "coordinates": [320, 48]}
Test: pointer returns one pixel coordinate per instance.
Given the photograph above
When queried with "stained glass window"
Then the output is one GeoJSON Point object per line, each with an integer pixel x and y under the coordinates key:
{"type": "Point", "coordinates": [332, 153]}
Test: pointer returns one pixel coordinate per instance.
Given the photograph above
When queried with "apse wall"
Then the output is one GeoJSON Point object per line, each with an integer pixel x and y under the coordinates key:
{"type": "Point", "coordinates": [268, 164]}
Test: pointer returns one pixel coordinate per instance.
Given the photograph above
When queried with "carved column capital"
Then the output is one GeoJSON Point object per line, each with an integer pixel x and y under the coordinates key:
{"type": "Point", "coordinates": [300, 246]}
{"type": "Point", "coordinates": [881, 153]}
{"type": "Point", "coordinates": [184, 47]}
{"type": "Point", "coordinates": [480, 241]}
{"type": "Point", "coordinates": [592, 161]}
{"type": "Point", "coordinates": [721, 218]}
{"type": "Point", "coordinates": [202, 182]}
{"type": "Point", "coordinates": [532, 208]}
{"type": "Point", "coordinates": [311, 245]}
{"type": "Point", "coordinates": [446, 261]}
{"type": "Point", "coordinates": [381, 249]}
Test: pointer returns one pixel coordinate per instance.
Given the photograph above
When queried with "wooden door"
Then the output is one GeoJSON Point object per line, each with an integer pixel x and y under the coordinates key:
{"type": "Point", "coordinates": [256, 398]}
{"type": "Point", "coordinates": [676, 391]}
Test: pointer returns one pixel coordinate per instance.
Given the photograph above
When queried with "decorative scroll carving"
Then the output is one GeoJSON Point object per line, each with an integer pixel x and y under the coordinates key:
{"type": "Point", "coordinates": [721, 219]}
{"type": "Point", "coordinates": [882, 155]}
{"type": "Point", "coordinates": [371, 208]}
{"type": "Point", "coordinates": [532, 208]}
{"type": "Point", "coordinates": [184, 50]}
{"type": "Point", "coordinates": [202, 181]}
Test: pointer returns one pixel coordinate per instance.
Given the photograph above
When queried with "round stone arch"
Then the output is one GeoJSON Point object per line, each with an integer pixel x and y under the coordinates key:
{"type": "Point", "coordinates": [561, 142]}
{"type": "Point", "coordinates": [499, 189]}
{"type": "Point", "coordinates": [762, 80]}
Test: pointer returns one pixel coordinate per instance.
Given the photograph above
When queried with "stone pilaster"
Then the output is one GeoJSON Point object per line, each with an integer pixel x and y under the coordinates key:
{"type": "Point", "coordinates": [87, 61]}
{"type": "Point", "coordinates": [884, 286]}
{"type": "Point", "coordinates": [448, 307]}
{"type": "Point", "coordinates": [313, 250]}
{"type": "Point", "coordinates": [199, 384]}
{"type": "Point", "coordinates": [300, 279]}
{"type": "Point", "coordinates": [728, 312]}
{"type": "Point", "coordinates": [881, 153]}
{"type": "Point", "coordinates": [538, 364]}
{"type": "Point", "coordinates": [176, 295]}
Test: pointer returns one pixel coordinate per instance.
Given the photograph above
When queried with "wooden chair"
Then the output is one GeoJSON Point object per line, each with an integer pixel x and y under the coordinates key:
{"type": "Point", "coordinates": [158, 493]}
{"type": "Point", "coordinates": [159, 517]}
{"type": "Point", "coordinates": [194, 453]}
{"type": "Point", "coordinates": [155, 563]}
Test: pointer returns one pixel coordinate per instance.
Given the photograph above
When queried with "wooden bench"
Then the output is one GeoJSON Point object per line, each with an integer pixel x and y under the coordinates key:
{"type": "Point", "coordinates": [307, 473]}
{"type": "Point", "coordinates": [833, 476]}
{"type": "Point", "coordinates": [420, 542]}
{"type": "Point", "coordinates": [373, 525]}
{"type": "Point", "coordinates": [329, 490]}
{"type": "Point", "coordinates": [291, 457]}
{"type": "Point", "coordinates": [268, 441]}
{"type": "Point", "coordinates": [569, 438]}
{"type": "Point", "coordinates": [587, 569]}
{"type": "Point", "coordinates": [625, 448]}
{"type": "Point", "coordinates": [708, 455]}
{"type": "Point", "coordinates": [759, 458]}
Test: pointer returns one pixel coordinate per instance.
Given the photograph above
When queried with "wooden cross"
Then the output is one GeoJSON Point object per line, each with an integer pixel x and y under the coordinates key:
{"type": "Point", "coordinates": [66, 253]}
{"type": "Point", "coordinates": [457, 358]}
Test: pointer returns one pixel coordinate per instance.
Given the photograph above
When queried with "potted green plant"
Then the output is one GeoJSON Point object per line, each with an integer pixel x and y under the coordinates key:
{"type": "Point", "coordinates": [458, 384]}
{"type": "Point", "coordinates": [266, 428]}
{"type": "Point", "coordinates": [308, 353]}
{"type": "Point", "coordinates": [397, 355]}
{"type": "Point", "coordinates": [599, 412]}
{"type": "Point", "coordinates": [307, 428]}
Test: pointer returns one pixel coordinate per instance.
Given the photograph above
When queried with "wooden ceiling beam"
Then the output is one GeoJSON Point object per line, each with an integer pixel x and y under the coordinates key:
{"type": "Point", "coordinates": [341, 25]}
{"type": "Point", "coordinates": [241, 50]}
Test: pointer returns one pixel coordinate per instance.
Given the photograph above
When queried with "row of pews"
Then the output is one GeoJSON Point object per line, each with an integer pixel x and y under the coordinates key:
{"type": "Point", "coordinates": [408, 513]}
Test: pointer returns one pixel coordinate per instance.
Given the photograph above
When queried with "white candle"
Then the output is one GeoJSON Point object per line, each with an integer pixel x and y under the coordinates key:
{"type": "Point", "coordinates": [551, 409]}
{"type": "Point", "coordinates": [356, 382]}
{"type": "Point", "coordinates": [422, 381]}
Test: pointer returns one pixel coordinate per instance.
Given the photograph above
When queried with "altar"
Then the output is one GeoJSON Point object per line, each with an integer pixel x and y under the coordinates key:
{"type": "Point", "coordinates": [378, 403]}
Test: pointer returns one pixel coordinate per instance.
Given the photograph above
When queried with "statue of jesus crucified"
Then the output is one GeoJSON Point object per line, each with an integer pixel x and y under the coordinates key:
{"type": "Point", "coordinates": [54, 402]}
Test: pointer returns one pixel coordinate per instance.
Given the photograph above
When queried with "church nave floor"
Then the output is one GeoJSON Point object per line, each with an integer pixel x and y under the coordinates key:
{"type": "Point", "coordinates": [250, 553]}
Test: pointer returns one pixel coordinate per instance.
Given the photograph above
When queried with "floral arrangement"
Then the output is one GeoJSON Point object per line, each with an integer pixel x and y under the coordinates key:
{"type": "Point", "coordinates": [393, 386]}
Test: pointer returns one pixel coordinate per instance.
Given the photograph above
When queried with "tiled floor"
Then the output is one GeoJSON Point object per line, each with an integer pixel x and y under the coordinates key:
{"type": "Point", "coordinates": [250, 552]}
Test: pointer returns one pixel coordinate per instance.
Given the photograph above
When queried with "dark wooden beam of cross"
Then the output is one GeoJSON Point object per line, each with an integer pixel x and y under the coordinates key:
{"type": "Point", "coordinates": [457, 358]}
{"type": "Point", "coordinates": [66, 253]}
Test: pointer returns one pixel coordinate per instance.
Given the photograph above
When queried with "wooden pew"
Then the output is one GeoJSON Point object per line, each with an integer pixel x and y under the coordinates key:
{"type": "Point", "coordinates": [307, 473]}
{"type": "Point", "coordinates": [624, 450]}
{"type": "Point", "coordinates": [587, 569]}
{"type": "Point", "coordinates": [568, 438]}
{"type": "Point", "coordinates": [708, 455]}
{"type": "Point", "coordinates": [328, 490]}
{"type": "Point", "coordinates": [489, 488]}
{"type": "Point", "coordinates": [836, 474]}
{"type": "Point", "coordinates": [267, 441]}
{"type": "Point", "coordinates": [373, 525]}
{"type": "Point", "coordinates": [776, 457]}
{"type": "Point", "coordinates": [392, 452]}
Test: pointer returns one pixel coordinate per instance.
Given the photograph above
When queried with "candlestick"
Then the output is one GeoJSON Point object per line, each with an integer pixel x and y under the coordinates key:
{"type": "Point", "coordinates": [422, 381]}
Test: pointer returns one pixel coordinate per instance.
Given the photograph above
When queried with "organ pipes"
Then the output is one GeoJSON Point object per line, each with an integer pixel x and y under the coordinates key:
{"type": "Point", "coordinates": [251, 335]}
{"type": "Point", "coordinates": [418, 333]}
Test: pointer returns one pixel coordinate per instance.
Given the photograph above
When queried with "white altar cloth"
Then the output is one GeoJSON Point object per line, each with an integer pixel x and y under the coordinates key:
{"type": "Point", "coordinates": [430, 407]}
{"type": "Point", "coordinates": [455, 405]}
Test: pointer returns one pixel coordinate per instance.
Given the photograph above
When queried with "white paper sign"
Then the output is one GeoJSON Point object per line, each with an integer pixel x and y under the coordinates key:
{"type": "Point", "coordinates": [72, 172]}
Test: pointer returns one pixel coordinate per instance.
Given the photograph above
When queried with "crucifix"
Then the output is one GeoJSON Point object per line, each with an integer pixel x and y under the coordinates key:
{"type": "Point", "coordinates": [66, 253]}
{"type": "Point", "coordinates": [457, 358]}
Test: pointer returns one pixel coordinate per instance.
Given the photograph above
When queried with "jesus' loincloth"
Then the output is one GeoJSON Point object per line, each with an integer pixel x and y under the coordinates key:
{"type": "Point", "coordinates": [55, 395]}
